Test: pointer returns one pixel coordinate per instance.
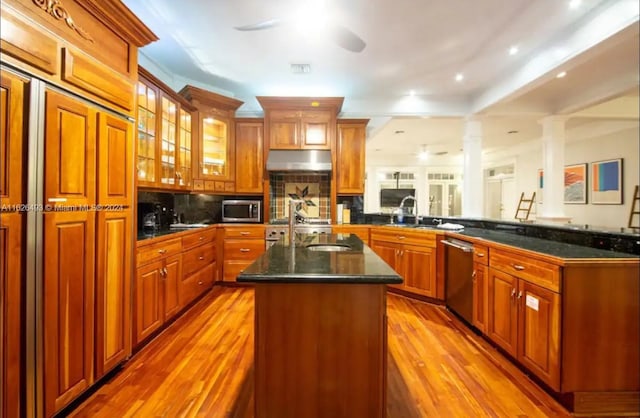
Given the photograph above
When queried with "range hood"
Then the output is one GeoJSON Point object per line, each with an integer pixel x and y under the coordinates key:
{"type": "Point", "coordinates": [299, 160]}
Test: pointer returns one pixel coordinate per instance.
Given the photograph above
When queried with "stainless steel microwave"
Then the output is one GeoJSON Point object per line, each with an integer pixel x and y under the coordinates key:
{"type": "Point", "coordinates": [241, 211]}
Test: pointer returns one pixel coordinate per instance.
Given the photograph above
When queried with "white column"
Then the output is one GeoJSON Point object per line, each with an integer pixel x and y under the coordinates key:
{"type": "Point", "coordinates": [472, 190]}
{"type": "Point", "coordinates": [553, 133]}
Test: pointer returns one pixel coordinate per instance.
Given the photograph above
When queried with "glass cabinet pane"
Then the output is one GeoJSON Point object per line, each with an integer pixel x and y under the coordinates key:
{"type": "Point", "coordinates": [168, 142]}
{"type": "Point", "coordinates": [214, 148]}
{"type": "Point", "coordinates": [183, 172]}
{"type": "Point", "coordinates": [146, 117]}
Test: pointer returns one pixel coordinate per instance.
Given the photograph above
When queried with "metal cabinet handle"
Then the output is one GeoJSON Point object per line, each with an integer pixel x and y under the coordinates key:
{"type": "Point", "coordinates": [473, 274]}
{"type": "Point", "coordinates": [201, 258]}
{"type": "Point", "coordinates": [480, 255]}
{"type": "Point", "coordinates": [165, 271]}
{"type": "Point", "coordinates": [244, 250]}
{"type": "Point", "coordinates": [518, 267]}
{"type": "Point", "coordinates": [520, 294]}
{"type": "Point", "coordinates": [513, 292]}
{"type": "Point", "coordinates": [201, 238]}
{"type": "Point", "coordinates": [162, 251]}
{"type": "Point", "coordinates": [162, 272]}
{"type": "Point", "coordinates": [200, 282]}
{"type": "Point", "coordinates": [245, 233]}
{"type": "Point", "coordinates": [401, 237]}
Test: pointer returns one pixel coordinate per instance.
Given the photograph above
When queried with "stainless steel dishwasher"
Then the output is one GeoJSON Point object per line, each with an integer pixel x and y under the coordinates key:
{"type": "Point", "coordinates": [458, 277]}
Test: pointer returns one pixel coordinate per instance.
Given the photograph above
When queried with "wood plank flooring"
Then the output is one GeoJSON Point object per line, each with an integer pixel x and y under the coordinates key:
{"type": "Point", "coordinates": [201, 366]}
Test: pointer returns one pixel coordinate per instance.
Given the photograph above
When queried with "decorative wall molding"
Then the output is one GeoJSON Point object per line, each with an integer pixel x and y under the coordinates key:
{"type": "Point", "coordinates": [57, 10]}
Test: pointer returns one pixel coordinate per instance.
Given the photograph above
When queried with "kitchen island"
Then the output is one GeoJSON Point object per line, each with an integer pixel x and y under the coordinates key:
{"type": "Point", "coordinates": [320, 328]}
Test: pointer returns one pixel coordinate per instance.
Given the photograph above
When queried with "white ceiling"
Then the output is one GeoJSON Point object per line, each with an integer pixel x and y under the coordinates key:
{"type": "Point", "coordinates": [414, 45]}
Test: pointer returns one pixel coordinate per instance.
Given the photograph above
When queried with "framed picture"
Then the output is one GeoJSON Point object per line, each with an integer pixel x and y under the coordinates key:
{"type": "Point", "coordinates": [540, 184]}
{"type": "Point", "coordinates": [606, 182]}
{"type": "Point", "coordinates": [575, 184]}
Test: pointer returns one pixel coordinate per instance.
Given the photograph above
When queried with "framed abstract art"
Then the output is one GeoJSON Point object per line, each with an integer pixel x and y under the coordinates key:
{"type": "Point", "coordinates": [606, 182]}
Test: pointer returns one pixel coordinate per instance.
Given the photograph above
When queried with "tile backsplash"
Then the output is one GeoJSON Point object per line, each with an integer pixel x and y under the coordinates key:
{"type": "Point", "coordinates": [313, 188]}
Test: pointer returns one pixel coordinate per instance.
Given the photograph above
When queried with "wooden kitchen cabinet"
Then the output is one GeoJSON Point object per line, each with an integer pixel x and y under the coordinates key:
{"type": "Point", "coordinates": [113, 289]}
{"type": "Point", "coordinates": [411, 254]}
{"type": "Point", "coordinates": [242, 245]}
{"type": "Point", "coordinates": [295, 129]}
{"type": "Point", "coordinates": [524, 319]}
{"type": "Point", "coordinates": [249, 155]}
{"type": "Point", "coordinates": [70, 151]}
{"type": "Point", "coordinates": [480, 287]}
{"type": "Point", "coordinates": [157, 287]}
{"type": "Point", "coordinates": [214, 145]}
{"type": "Point", "coordinates": [11, 306]}
{"type": "Point", "coordinates": [165, 140]}
{"type": "Point", "coordinates": [115, 160]}
{"type": "Point", "coordinates": [68, 306]}
{"type": "Point", "coordinates": [362, 231]}
{"type": "Point", "coordinates": [13, 89]}
{"type": "Point", "coordinates": [198, 264]}
{"type": "Point", "coordinates": [350, 156]}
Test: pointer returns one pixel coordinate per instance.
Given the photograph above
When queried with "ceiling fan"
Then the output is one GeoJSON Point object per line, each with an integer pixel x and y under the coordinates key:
{"type": "Point", "coordinates": [341, 35]}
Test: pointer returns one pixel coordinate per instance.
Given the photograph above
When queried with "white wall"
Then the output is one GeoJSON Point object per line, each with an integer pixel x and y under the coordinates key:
{"type": "Point", "coordinates": [622, 144]}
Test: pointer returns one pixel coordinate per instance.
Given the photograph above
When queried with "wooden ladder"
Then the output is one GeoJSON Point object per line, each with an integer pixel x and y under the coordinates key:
{"type": "Point", "coordinates": [524, 207]}
{"type": "Point", "coordinates": [635, 210]}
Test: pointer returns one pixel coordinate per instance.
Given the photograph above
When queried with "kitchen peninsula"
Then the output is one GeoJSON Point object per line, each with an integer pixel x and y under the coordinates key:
{"type": "Point", "coordinates": [320, 328]}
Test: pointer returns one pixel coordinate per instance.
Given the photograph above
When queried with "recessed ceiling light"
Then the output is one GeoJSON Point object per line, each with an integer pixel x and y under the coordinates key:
{"type": "Point", "coordinates": [412, 92]}
{"type": "Point", "coordinates": [561, 74]}
{"type": "Point", "coordinates": [513, 50]}
{"type": "Point", "coordinates": [459, 77]}
{"type": "Point", "coordinates": [574, 4]}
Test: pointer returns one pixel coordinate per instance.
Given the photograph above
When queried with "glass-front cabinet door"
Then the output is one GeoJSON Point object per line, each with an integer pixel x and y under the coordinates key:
{"type": "Point", "coordinates": [147, 120]}
{"type": "Point", "coordinates": [214, 148]}
{"type": "Point", "coordinates": [183, 172]}
{"type": "Point", "coordinates": [168, 143]}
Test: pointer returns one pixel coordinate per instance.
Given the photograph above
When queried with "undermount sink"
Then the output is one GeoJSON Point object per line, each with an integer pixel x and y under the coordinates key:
{"type": "Point", "coordinates": [328, 247]}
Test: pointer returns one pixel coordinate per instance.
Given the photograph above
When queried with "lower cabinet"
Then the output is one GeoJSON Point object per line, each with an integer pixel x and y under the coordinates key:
{"type": "Point", "coordinates": [480, 297]}
{"type": "Point", "coordinates": [156, 289]}
{"type": "Point", "coordinates": [524, 319]}
{"type": "Point", "coordinates": [413, 255]}
{"type": "Point", "coordinates": [242, 246]}
{"type": "Point", "coordinates": [198, 265]}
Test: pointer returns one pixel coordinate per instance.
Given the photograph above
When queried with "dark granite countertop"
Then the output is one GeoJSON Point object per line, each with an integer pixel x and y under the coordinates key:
{"type": "Point", "coordinates": [143, 235]}
{"type": "Point", "coordinates": [298, 264]}
{"type": "Point", "coordinates": [544, 246]}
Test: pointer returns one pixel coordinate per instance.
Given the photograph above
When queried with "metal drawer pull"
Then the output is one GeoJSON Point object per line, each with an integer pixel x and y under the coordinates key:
{"type": "Point", "coordinates": [513, 292]}
{"type": "Point", "coordinates": [473, 274]}
{"type": "Point", "coordinates": [244, 250]}
{"type": "Point", "coordinates": [162, 251]}
{"type": "Point", "coordinates": [200, 282]}
{"type": "Point", "coordinates": [520, 294]}
{"type": "Point", "coordinates": [201, 257]}
{"type": "Point", "coordinates": [165, 271]}
{"type": "Point", "coordinates": [480, 254]}
{"type": "Point", "coordinates": [245, 233]}
{"type": "Point", "coordinates": [401, 237]}
{"type": "Point", "coordinates": [201, 238]}
{"type": "Point", "coordinates": [518, 267]}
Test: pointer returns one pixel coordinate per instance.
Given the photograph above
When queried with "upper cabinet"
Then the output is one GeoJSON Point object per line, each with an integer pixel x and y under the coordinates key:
{"type": "Point", "coordinates": [249, 155]}
{"type": "Point", "coordinates": [164, 121]}
{"type": "Point", "coordinates": [214, 145]}
{"type": "Point", "coordinates": [350, 155]}
{"type": "Point", "coordinates": [300, 122]}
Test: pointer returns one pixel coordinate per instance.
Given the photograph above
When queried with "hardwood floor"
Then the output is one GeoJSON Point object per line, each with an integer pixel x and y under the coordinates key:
{"type": "Point", "coordinates": [201, 366]}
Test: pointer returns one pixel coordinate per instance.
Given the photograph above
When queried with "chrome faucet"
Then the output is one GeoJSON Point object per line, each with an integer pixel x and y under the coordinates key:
{"type": "Point", "coordinates": [293, 212]}
{"type": "Point", "coordinates": [401, 207]}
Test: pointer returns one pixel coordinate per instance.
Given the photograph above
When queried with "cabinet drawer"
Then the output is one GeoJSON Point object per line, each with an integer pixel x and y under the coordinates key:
{"type": "Point", "coordinates": [196, 284]}
{"type": "Point", "coordinates": [480, 254]}
{"type": "Point", "coordinates": [244, 232]}
{"type": "Point", "coordinates": [243, 249]}
{"type": "Point", "coordinates": [234, 267]}
{"type": "Point", "coordinates": [198, 257]}
{"type": "Point", "coordinates": [404, 236]}
{"type": "Point", "coordinates": [535, 271]}
{"type": "Point", "coordinates": [199, 237]}
{"type": "Point", "coordinates": [158, 250]}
